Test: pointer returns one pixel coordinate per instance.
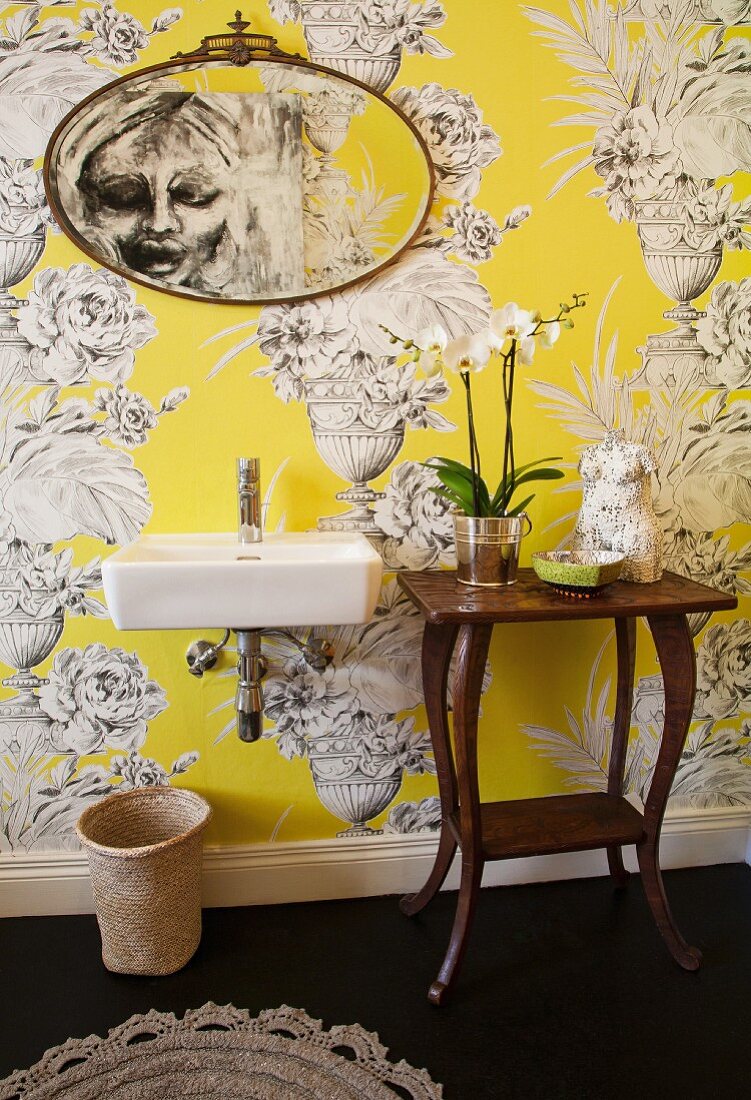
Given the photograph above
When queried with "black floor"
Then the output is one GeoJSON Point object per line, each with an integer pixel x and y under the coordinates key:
{"type": "Point", "coordinates": [567, 990]}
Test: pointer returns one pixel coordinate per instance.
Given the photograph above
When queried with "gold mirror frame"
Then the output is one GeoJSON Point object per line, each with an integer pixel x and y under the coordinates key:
{"type": "Point", "coordinates": [236, 49]}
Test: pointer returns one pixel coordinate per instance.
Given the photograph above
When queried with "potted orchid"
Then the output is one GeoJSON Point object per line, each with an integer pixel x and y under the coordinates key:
{"type": "Point", "coordinates": [489, 526]}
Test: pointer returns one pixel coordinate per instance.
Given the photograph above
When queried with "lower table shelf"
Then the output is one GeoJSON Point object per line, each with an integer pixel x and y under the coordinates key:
{"type": "Point", "coordinates": [559, 823]}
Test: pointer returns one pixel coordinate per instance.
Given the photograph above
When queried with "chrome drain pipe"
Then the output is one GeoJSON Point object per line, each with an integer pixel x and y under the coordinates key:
{"type": "Point", "coordinates": [251, 669]}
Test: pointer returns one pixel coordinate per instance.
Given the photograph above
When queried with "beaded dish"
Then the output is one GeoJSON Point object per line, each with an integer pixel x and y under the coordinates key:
{"type": "Point", "coordinates": [578, 573]}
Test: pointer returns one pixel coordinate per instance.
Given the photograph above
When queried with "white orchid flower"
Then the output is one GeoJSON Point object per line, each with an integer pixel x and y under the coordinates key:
{"type": "Point", "coordinates": [467, 353]}
{"type": "Point", "coordinates": [550, 334]}
{"type": "Point", "coordinates": [495, 342]}
{"type": "Point", "coordinates": [526, 351]}
{"type": "Point", "coordinates": [433, 339]}
{"type": "Point", "coordinates": [431, 343]}
{"type": "Point", "coordinates": [512, 323]}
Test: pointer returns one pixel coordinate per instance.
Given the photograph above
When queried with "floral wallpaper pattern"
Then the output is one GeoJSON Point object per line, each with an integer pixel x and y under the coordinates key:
{"type": "Point", "coordinates": [65, 464]}
{"type": "Point", "coordinates": [671, 110]}
{"type": "Point", "coordinates": [664, 91]}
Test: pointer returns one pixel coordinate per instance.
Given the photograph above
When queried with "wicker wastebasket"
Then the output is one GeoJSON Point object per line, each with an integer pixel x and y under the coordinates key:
{"type": "Point", "coordinates": [144, 849]}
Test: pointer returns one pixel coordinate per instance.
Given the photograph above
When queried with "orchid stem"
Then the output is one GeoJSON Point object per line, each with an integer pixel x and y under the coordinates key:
{"type": "Point", "coordinates": [474, 453]}
{"type": "Point", "coordinates": [509, 424]}
{"type": "Point", "coordinates": [507, 407]}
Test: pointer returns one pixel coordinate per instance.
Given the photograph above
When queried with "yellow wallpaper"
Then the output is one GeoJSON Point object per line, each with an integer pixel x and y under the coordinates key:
{"type": "Point", "coordinates": [568, 244]}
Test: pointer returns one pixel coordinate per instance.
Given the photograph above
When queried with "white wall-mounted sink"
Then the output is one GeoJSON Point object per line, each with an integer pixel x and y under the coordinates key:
{"type": "Point", "coordinates": [310, 578]}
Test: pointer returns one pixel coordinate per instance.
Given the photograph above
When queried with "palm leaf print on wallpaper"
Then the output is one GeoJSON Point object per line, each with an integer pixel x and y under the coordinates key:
{"type": "Point", "coordinates": [314, 388]}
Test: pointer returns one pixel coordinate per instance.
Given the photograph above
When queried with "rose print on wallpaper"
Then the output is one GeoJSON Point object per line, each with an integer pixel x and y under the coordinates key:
{"type": "Point", "coordinates": [348, 720]}
{"type": "Point", "coordinates": [725, 334]}
{"type": "Point", "coordinates": [416, 521]}
{"type": "Point", "coordinates": [344, 719]}
{"type": "Point", "coordinates": [671, 110]}
{"type": "Point", "coordinates": [333, 354]}
{"type": "Point", "coordinates": [65, 466]}
{"type": "Point", "coordinates": [99, 697]}
{"type": "Point", "coordinates": [724, 670]}
{"type": "Point", "coordinates": [460, 144]}
{"type": "Point", "coordinates": [82, 324]}
{"type": "Point", "coordinates": [702, 483]}
{"type": "Point", "coordinates": [415, 817]}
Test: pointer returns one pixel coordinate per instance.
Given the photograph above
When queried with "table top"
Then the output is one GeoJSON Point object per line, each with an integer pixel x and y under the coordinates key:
{"type": "Point", "coordinates": [441, 599]}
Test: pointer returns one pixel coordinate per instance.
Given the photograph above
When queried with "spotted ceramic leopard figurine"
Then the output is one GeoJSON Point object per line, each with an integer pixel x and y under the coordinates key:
{"type": "Point", "coordinates": [617, 511]}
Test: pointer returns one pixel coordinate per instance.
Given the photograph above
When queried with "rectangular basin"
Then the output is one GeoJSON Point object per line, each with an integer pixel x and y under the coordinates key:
{"type": "Point", "coordinates": [310, 578]}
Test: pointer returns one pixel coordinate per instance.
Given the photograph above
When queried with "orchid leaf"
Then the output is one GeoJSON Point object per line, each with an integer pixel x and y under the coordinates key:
{"type": "Point", "coordinates": [525, 473]}
{"type": "Point", "coordinates": [460, 487]}
{"type": "Point", "coordinates": [448, 464]}
{"type": "Point", "coordinates": [446, 494]}
{"type": "Point", "coordinates": [519, 508]}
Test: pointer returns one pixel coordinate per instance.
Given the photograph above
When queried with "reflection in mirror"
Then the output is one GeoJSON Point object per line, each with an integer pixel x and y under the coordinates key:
{"type": "Point", "coordinates": [274, 181]}
{"type": "Point", "coordinates": [196, 190]}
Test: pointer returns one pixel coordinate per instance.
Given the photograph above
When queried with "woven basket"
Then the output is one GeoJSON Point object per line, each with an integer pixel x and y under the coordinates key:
{"type": "Point", "coordinates": [144, 849]}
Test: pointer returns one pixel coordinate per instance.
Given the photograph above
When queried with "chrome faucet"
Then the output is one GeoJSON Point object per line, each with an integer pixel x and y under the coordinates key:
{"type": "Point", "coordinates": [249, 528]}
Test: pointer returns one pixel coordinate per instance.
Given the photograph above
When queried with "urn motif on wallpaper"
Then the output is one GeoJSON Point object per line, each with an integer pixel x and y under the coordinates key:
{"type": "Point", "coordinates": [344, 719]}
{"type": "Point", "coordinates": [701, 450]}
{"type": "Point", "coordinates": [333, 354]}
{"type": "Point", "coordinates": [65, 466]}
{"type": "Point", "coordinates": [24, 220]}
{"type": "Point", "coordinates": [365, 38]}
{"type": "Point", "coordinates": [671, 112]}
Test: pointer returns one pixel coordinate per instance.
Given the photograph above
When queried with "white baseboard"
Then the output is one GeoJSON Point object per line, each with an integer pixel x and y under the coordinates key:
{"type": "Point", "coordinates": [49, 883]}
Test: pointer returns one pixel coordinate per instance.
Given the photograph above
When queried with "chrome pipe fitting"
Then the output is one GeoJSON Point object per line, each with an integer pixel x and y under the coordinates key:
{"type": "Point", "coordinates": [202, 655]}
{"type": "Point", "coordinates": [251, 669]}
{"type": "Point", "coordinates": [318, 653]}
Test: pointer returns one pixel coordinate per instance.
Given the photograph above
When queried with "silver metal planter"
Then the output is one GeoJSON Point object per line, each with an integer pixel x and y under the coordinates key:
{"type": "Point", "coordinates": [487, 549]}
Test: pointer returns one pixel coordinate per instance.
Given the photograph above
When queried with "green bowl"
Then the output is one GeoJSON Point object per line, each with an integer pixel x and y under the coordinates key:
{"type": "Point", "coordinates": [578, 569]}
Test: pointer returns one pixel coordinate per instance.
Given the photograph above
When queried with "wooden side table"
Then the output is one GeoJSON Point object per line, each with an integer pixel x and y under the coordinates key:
{"type": "Point", "coordinates": [560, 823]}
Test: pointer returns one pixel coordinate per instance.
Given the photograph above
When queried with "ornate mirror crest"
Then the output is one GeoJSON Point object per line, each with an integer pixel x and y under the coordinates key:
{"type": "Point", "coordinates": [240, 173]}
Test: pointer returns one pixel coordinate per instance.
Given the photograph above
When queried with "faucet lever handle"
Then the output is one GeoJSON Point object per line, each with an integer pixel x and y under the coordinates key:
{"type": "Point", "coordinates": [248, 470]}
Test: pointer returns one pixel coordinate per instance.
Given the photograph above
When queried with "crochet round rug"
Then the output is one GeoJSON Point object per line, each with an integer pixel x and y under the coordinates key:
{"type": "Point", "coordinates": [220, 1051]}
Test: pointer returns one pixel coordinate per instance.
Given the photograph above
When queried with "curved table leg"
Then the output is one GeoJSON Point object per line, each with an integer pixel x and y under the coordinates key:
{"type": "Point", "coordinates": [437, 648]}
{"type": "Point", "coordinates": [625, 633]}
{"type": "Point", "coordinates": [465, 912]}
{"type": "Point", "coordinates": [675, 649]}
{"type": "Point", "coordinates": [474, 640]}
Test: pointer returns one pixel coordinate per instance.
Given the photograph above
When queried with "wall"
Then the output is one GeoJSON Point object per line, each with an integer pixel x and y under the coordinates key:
{"type": "Point", "coordinates": [123, 410]}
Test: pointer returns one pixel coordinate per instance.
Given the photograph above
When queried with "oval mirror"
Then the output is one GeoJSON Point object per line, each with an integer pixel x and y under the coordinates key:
{"type": "Point", "coordinates": [239, 173]}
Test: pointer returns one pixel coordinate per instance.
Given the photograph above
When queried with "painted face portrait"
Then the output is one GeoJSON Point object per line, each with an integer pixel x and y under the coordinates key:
{"type": "Point", "coordinates": [161, 195]}
{"type": "Point", "coordinates": [158, 191]}
{"type": "Point", "coordinates": [201, 191]}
